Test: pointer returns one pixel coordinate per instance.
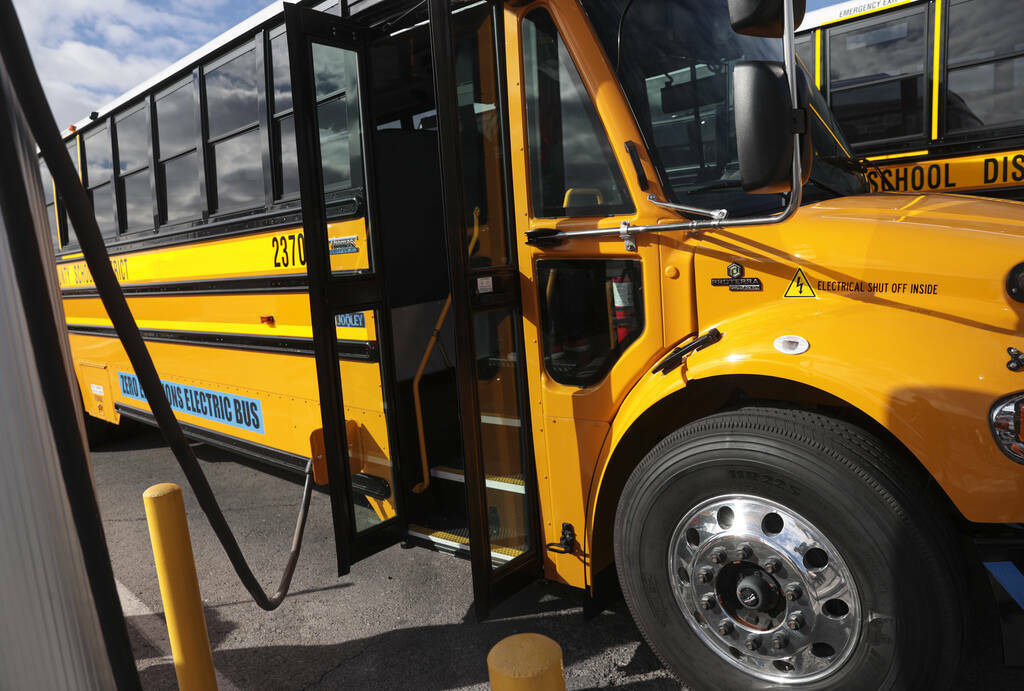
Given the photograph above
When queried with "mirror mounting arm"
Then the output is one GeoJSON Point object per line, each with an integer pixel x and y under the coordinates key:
{"type": "Point", "coordinates": [717, 214]}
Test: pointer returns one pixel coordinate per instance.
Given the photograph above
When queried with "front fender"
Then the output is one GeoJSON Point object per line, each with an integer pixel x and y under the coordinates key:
{"type": "Point", "coordinates": [929, 379]}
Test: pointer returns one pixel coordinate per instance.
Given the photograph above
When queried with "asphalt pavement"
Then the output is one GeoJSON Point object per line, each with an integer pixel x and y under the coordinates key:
{"type": "Point", "coordinates": [402, 619]}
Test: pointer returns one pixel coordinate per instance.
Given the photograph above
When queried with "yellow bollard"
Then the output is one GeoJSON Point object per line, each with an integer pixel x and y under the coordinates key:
{"type": "Point", "coordinates": [526, 662]}
{"type": "Point", "coordinates": [179, 587]}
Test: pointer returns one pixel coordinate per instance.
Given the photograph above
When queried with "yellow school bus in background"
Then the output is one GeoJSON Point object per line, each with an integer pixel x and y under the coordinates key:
{"type": "Point", "coordinates": [930, 91]}
{"type": "Point", "coordinates": [573, 288]}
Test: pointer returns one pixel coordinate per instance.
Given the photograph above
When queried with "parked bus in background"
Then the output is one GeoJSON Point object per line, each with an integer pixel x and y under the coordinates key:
{"type": "Point", "coordinates": [932, 91]}
{"type": "Point", "coordinates": [593, 290]}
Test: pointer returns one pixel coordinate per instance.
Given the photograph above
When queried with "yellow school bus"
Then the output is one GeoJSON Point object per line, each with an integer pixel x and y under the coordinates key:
{"type": "Point", "coordinates": [927, 90]}
{"type": "Point", "coordinates": [593, 290]}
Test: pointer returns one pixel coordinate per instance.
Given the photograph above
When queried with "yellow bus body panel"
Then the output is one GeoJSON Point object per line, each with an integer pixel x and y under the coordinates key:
{"type": "Point", "coordinates": [903, 325]}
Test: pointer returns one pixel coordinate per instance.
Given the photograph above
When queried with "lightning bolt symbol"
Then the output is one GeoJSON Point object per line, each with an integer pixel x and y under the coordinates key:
{"type": "Point", "coordinates": [800, 284]}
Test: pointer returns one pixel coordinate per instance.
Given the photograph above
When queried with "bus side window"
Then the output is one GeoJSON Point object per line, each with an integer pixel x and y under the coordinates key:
{"type": "Point", "coordinates": [51, 206]}
{"type": "Point", "coordinates": [876, 77]}
{"type": "Point", "coordinates": [590, 311]}
{"type": "Point", "coordinates": [986, 71]}
{"type": "Point", "coordinates": [99, 169]}
{"type": "Point", "coordinates": [572, 169]}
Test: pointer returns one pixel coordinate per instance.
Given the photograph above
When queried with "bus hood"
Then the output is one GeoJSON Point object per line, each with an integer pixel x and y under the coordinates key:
{"type": "Point", "coordinates": [946, 256]}
{"type": "Point", "coordinates": [942, 213]}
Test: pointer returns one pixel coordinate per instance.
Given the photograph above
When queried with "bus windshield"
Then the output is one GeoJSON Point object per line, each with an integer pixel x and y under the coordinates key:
{"type": "Point", "coordinates": [674, 59]}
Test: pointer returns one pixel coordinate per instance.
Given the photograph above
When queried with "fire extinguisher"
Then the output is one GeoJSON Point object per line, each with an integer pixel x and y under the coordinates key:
{"type": "Point", "coordinates": [622, 302]}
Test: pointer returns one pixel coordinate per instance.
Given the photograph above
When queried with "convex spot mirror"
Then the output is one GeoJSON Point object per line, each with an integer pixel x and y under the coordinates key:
{"type": "Point", "coordinates": [765, 126]}
{"type": "Point", "coordinates": [762, 17]}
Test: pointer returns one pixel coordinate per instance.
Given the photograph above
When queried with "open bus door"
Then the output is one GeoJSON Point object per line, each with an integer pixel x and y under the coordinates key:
{"type": "Point", "coordinates": [349, 296]}
{"type": "Point", "coordinates": [328, 66]}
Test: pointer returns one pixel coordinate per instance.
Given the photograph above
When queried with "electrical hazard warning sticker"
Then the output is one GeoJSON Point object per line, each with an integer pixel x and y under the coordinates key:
{"type": "Point", "coordinates": [799, 287]}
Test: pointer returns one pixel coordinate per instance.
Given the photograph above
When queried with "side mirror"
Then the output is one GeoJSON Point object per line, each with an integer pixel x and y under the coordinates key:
{"type": "Point", "coordinates": [763, 17]}
{"type": "Point", "coordinates": [764, 115]}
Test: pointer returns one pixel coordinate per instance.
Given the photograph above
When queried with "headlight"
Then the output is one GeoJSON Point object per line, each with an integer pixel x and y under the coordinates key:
{"type": "Point", "coordinates": [1008, 426]}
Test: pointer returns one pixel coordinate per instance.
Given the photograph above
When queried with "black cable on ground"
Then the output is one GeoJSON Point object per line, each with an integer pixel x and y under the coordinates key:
{"type": "Point", "coordinates": [33, 102]}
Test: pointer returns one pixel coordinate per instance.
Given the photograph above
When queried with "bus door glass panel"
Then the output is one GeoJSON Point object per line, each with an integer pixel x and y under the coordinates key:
{"type": "Point", "coordinates": [366, 423]}
{"type": "Point", "coordinates": [985, 60]}
{"type": "Point", "coordinates": [336, 79]}
{"type": "Point", "coordinates": [501, 428]}
{"type": "Point", "coordinates": [591, 311]}
{"type": "Point", "coordinates": [573, 171]}
{"type": "Point", "coordinates": [876, 76]}
{"type": "Point", "coordinates": [496, 318]}
{"type": "Point", "coordinates": [481, 145]}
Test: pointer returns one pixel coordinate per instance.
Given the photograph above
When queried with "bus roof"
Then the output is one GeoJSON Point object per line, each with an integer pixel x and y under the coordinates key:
{"type": "Point", "coordinates": [847, 10]}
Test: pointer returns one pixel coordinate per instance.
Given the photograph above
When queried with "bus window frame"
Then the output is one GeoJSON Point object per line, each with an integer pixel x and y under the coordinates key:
{"type": "Point", "coordinates": [895, 14]}
{"type": "Point", "coordinates": [166, 222]}
{"type": "Point", "coordinates": [948, 135]}
{"type": "Point", "coordinates": [209, 141]}
{"type": "Point", "coordinates": [121, 199]}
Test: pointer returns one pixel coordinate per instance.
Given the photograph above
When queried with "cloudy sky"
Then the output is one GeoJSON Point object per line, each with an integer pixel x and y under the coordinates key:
{"type": "Point", "coordinates": [88, 52]}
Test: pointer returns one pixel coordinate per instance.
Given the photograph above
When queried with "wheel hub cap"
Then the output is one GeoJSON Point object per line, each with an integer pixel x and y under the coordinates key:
{"type": "Point", "coordinates": [797, 620]}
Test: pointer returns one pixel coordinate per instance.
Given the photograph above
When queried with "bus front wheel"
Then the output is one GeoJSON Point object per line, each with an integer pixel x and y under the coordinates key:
{"type": "Point", "coordinates": [767, 546]}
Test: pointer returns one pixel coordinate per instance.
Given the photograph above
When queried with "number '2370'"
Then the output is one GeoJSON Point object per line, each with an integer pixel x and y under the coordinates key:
{"type": "Point", "coordinates": [288, 250]}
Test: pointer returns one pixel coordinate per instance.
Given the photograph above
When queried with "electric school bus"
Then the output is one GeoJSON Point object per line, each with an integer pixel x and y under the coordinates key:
{"type": "Point", "coordinates": [592, 290]}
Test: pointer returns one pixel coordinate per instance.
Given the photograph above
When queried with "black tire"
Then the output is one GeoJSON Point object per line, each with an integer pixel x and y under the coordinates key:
{"type": "Point", "coordinates": [898, 546]}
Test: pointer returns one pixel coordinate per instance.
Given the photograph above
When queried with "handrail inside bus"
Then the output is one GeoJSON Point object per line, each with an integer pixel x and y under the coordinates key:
{"type": "Point", "coordinates": [18, 61]}
{"type": "Point", "coordinates": [424, 484]}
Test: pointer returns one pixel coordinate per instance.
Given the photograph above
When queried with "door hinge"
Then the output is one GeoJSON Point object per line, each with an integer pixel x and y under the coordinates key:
{"type": "Point", "coordinates": [566, 543]}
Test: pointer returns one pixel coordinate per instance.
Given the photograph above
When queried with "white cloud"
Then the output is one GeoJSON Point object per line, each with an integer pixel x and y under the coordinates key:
{"type": "Point", "coordinates": [88, 52]}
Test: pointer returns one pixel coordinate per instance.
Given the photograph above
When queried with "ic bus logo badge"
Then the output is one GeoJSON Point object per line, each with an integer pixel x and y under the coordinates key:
{"type": "Point", "coordinates": [343, 245]}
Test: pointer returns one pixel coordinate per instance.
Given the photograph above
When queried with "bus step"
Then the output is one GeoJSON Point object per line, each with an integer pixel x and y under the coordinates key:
{"type": "Point", "coordinates": [456, 541]}
{"type": "Point", "coordinates": [505, 483]}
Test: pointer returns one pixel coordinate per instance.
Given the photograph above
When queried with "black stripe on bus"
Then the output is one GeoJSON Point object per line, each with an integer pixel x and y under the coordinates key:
{"type": "Point", "coordinates": [366, 351]}
{"type": "Point", "coordinates": [281, 459]}
{"type": "Point", "coordinates": [370, 485]}
{"type": "Point", "coordinates": [219, 286]}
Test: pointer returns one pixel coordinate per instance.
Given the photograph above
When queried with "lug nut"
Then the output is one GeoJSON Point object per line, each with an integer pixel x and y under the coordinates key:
{"type": "Point", "coordinates": [773, 565]}
{"type": "Point", "coordinates": [794, 592]}
{"type": "Point", "coordinates": [742, 552]}
{"type": "Point", "coordinates": [718, 556]}
{"type": "Point", "coordinates": [752, 642]}
{"type": "Point", "coordinates": [780, 640]}
{"type": "Point", "coordinates": [796, 620]}
{"type": "Point", "coordinates": [725, 627]}
{"type": "Point", "coordinates": [705, 575]}
{"type": "Point", "coordinates": [708, 601]}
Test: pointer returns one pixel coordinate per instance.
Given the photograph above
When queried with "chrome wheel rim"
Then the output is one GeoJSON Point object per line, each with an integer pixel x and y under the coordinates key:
{"type": "Point", "coordinates": [764, 589]}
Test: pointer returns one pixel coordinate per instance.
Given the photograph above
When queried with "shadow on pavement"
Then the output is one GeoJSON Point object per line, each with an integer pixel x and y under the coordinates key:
{"type": "Point", "coordinates": [439, 657]}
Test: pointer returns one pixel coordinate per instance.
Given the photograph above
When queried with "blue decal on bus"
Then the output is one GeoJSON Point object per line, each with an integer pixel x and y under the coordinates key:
{"type": "Point", "coordinates": [229, 409]}
{"type": "Point", "coordinates": [355, 320]}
